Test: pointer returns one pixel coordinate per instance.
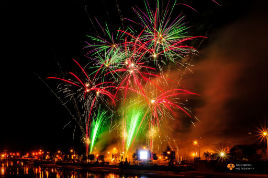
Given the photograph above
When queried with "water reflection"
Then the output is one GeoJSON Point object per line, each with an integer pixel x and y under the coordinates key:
{"type": "Point", "coordinates": [22, 169]}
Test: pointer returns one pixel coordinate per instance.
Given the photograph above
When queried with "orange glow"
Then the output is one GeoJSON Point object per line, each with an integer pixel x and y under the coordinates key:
{"type": "Point", "coordinates": [195, 142]}
{"type": "Point", "coordinates": [124, 134]}
{"type": "Point", "coordinates": [47, 173]}
{"type": "Point", "coordinates": [114, 150]}
{"type": "Point", "coordinates": [264, 133]}
{"type": "Point", "coordinates": [2, 171]}
{"type": "Point", "coordinates": [26, 170]}
{"type": "Point", "coordinates": [57, 175]}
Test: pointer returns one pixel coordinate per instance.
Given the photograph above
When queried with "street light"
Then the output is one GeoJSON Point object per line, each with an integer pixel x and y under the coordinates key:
{"type": "Point", "coordinates": [264, 133]}
{"type": "Point", "coordinates": [195, 142]}
{"type": "Point", "coordinates": [222, 154]}
{"type": "Point", "coordinates": [263, 136]}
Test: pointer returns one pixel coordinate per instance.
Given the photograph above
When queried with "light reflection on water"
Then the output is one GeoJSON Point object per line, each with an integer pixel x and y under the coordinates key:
{"type": "Point", "coordinates": [20, 169]}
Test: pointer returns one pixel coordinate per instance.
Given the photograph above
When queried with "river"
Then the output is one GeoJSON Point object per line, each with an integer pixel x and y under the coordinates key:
{"type": "Point", "coordinates": [18, 169]}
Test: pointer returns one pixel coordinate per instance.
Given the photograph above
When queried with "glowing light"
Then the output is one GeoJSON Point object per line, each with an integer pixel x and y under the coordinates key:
{"type": "Point", "coordinates": [195, 142]}
{"type": "Point", "coordinates": [124, 134]}
{"type": "Point", "coordinates": [144, 154]}
{"type": "Point", "coordinates": [87, 84]}
{"type": "Point", "coordinates": [132, 65]}
{"type": "Point", "coordinates": [87, 141]}
{"type": "Point", "coordinates": [222, 154]}
{"type": "Point", "coordinates": [264, 133]}
{"type": "Point", "coordinates": [153, 132]}
{"type": "Point", "coordinates": [2, 171]}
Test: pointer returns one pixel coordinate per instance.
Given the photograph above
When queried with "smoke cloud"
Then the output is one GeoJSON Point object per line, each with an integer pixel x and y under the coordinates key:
{"type": "Point", "coordinates": [230, 75]}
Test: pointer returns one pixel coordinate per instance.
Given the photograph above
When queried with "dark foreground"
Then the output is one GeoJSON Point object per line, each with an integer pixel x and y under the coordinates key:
{"type": "Point", "coordinates": [25, 170]}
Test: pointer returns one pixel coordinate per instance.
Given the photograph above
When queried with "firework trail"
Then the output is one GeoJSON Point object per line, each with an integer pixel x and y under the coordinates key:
{"type": "Point", "coordinates": [109, 42]}
{"type": "Point", "coordinates": [134, 118]}
{"type": "Point", "coordinates": [97, 127]}
{"type": "Point", "coordinates": [88, 93]}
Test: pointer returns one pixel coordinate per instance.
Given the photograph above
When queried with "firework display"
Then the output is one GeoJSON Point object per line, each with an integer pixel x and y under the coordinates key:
{"type": "Point", "coordinates": [125, 81]}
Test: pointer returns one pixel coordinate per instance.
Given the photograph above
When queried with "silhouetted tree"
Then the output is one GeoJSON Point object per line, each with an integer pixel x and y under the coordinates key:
{"type": "Point", "coordinates": [245, 152]}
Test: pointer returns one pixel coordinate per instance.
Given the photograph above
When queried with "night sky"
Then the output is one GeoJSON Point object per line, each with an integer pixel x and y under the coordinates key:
{"type": "Point", "coordinates": [39, 39]}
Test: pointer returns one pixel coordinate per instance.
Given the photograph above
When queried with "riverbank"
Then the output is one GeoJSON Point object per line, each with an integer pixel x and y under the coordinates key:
{"type": "Point", "coordinates": [152, 170]}
{"type": "Point", "coordinates": [46, 169]}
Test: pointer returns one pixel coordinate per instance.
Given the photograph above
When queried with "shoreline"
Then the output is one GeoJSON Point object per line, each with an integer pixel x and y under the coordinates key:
{"type": "Point", "coordinates": [149, 170]}
{"type": "Point", "coordinates": [152, 172]}
{"type": "Point", "coordinates": [155, 171]}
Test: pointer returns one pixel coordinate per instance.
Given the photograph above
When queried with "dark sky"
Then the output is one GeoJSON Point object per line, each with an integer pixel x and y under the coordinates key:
{"type": "Point", "coordinates": [40, 38]}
